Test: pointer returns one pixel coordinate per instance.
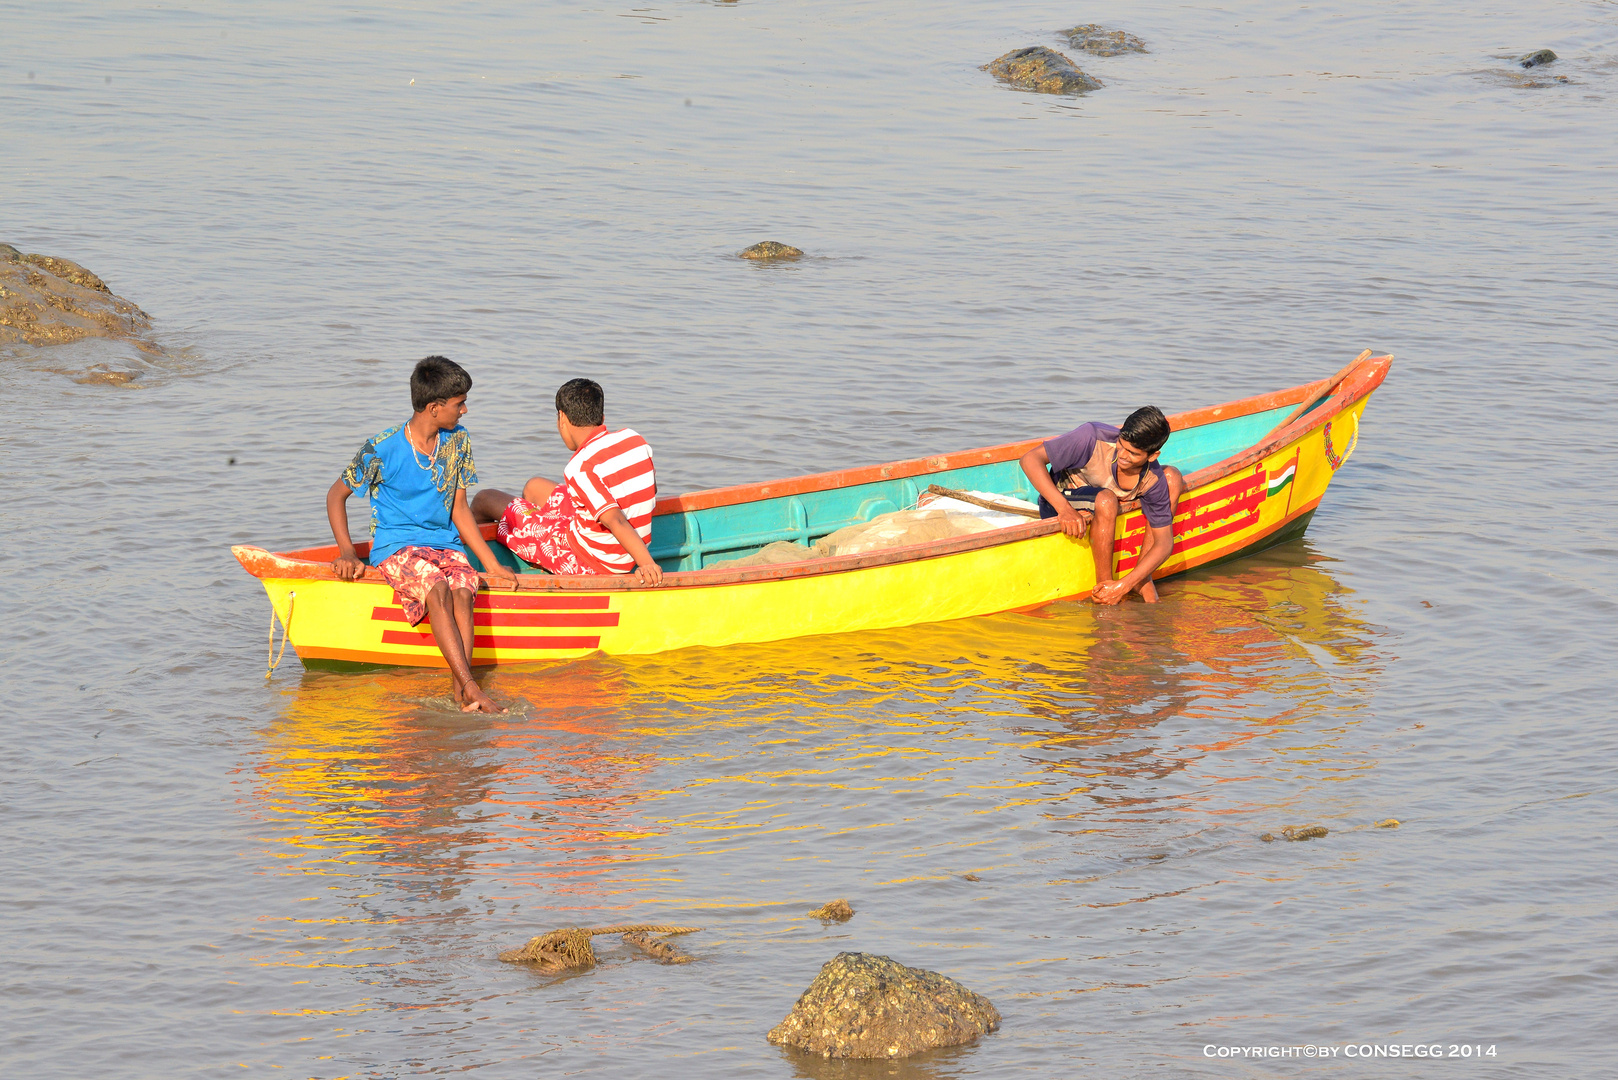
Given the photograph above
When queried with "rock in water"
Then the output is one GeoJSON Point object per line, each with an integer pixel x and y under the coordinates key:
{"type": "Point", "coordinates": [50, 301]}
{"type": "Point", "coordinates": [1099, 41]}
{"type": "Point", "coordinates": [769, 249]}
{"type": "Point", "coordinates": [1534, 59]}
{"type": "Point", "coordinates": [836, 911]}
{"type": "Point", "coordinates": [1042, 70]}
{"type": "Point", "coordinates": [865, 1006]}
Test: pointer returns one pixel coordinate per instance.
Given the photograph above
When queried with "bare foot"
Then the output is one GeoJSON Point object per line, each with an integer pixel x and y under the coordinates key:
{"type": "Point", "coordinates": [1148, 591]}
{"type": "Point", "coordinates": [477, 701]}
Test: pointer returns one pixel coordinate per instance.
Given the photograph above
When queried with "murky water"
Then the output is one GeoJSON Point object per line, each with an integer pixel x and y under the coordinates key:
{"type": "Point", "coordinates": [211, 875]}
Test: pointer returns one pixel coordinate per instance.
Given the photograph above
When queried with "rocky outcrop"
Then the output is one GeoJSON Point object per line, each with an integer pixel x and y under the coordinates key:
{"type": "Point", "coordinates": [865, 1006]}
{"type": "Point", "coordinates": [1042, 70]}
{"type": "Point", "coordinates": [835, 911]}
{"type": "Point", "coordinates": [51, 301]}
{"type": "Point", "coordinates": [1099, 41]}
{"type": "Point", "coordinates": [769, 249]}
{"type": "Point", "coordinates": [1535, 59]}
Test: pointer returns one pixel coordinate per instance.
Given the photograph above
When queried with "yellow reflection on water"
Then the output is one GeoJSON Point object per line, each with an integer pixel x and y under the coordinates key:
{"type": "Point", "coordinates": [686, 775]}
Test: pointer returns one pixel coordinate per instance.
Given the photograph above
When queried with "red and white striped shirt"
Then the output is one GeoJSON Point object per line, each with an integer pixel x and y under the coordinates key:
{"type": "Point", "coordinates": [611, 469]}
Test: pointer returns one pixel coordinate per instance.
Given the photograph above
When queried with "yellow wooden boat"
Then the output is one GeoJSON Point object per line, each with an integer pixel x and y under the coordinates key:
{"type": "Point", "coordinates": [1255, 471]}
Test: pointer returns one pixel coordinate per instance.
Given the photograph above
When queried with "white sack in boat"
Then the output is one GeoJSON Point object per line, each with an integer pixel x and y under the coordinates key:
{"type": "Point", "coordinates": [897, 529]}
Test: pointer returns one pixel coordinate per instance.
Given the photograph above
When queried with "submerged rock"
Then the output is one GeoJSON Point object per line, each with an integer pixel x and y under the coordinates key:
{"type": "Point", "coordinates": [769, 249]}
{"type": "Point", "coordinates": [1042, 70]}
{"type": "Point", "coordinates": [106, 377]}
{"type": "Point", "coordinates": [1099, 41]}
{"type": "Point", "coordinates": [1534, 59]}
{"type": "Point", "coordinates": [836, 911]}
{"type": "Point", "coordinates": [50, 301]}
{"type": "Point", "coordinates": [865, 1006]}
{"type": "Point", "coordinates": [1519, 80]}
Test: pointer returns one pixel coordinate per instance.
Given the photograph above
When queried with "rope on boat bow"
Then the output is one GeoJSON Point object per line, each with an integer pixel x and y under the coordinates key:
{"type": "Point", "coordinates": [286, 631]}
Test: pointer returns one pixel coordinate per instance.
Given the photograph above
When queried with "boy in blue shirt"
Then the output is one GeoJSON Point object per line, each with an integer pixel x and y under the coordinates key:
{"type": "Point", "coordinates": [415, 475]}
{"type": "Point", "coordinates": [1097, 471]}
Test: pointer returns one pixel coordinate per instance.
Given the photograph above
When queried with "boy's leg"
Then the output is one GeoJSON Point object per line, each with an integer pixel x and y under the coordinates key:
{"type": "Point", "coordinates": [447, 633]}
{"type": "Point", "coordinates": [538, 490]}
{"type": "Point", "coordinates": [489, 504]}
{"type": "Point", "coordinates": [1101, 534]}
{"type": "Point", "coordinates": [1147, 590]}
{"type": "Point", "coordinates": [463, 618]}
{"type": "Point", "coordinates": [537, 533]}
{"type": "Point", "coordinates": [424, 580]}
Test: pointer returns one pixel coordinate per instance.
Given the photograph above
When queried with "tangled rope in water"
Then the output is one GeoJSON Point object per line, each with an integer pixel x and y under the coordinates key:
{"type": "Point", "coordinates": [286, 632]}
{"type": "Point", "coordinates": [570, 950]}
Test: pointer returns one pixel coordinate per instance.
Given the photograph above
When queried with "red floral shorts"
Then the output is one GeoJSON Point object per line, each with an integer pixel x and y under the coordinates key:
{"type": "Point", "coordinates": [413, 571]}
{"type": "Point", "coordinates": [538, 534]}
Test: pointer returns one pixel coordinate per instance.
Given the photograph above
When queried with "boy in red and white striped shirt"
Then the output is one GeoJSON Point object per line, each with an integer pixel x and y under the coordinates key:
{"type": "Point", "coordinates": [598, 519]}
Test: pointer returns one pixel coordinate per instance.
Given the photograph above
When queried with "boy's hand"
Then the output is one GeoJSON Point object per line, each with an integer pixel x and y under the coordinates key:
{"type": "Point", "coordinates": [348, 567]}
{"type": "Point", "coordinates": [1073, 522]}
{"type": "Point", "coordinates": [501, 575]}
{"type": "Point", "coordinates": [649, 573]}
{"type": "Point", "coordinates": [1110, 592]}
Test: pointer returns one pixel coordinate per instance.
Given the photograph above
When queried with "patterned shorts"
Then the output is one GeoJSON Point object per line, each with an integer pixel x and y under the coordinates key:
{"type": "Point", "coordinates": [538, 534]}
{"type": "Point", "coordinates": [413, 571]}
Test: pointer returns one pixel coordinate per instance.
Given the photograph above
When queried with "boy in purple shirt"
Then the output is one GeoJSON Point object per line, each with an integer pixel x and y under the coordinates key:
{"type": "Point", "coordinates": [1097, 470]}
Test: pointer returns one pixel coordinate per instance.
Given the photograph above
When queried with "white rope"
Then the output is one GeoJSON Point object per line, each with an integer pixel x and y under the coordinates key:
{"type": "Point", "coordinates": [1354, 439]}
{"type": "Point", "coordinates": [286, 632]}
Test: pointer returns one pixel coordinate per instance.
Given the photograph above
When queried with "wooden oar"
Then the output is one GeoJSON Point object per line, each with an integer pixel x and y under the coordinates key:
{"type": "Point", "coordinates": [1320, 391]}
{"type": "Point", "coordinates": [987, 504]}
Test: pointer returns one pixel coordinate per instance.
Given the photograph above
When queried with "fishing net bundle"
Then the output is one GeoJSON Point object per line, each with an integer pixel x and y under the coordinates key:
{"type": "Point", "coordinates": [934, 518]}
{"type": "Point", "coordinates": [569, 949]}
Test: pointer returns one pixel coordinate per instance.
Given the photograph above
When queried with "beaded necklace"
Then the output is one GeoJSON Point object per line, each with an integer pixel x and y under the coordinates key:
{"type": "Point", "coordinates": [427, 468]}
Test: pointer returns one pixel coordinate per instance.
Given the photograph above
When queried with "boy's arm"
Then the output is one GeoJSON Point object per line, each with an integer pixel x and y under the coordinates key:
{"type": "Point", "coordinates": [1036, 466]}
{"type": "Point", "coordinates": [347, 566]}
{"type": "Point", "coordinates": [647, 569]}
{"type": "Point", "coordinates": [472, 537]}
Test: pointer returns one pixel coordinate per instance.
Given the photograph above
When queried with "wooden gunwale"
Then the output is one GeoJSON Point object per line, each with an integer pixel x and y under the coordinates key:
{"type": "Point", "coordinates": [314, 563]}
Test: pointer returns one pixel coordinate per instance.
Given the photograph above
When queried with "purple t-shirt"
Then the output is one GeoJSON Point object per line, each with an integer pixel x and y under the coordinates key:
{"type": "Point", "coordinates": [1074, 449]}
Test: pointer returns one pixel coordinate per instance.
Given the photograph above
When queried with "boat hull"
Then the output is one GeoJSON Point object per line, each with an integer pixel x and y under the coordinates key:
{"type": "Point", "coordinates": [1244, 509]}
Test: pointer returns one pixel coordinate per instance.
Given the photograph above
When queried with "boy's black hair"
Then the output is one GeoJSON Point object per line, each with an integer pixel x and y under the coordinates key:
{"type": "Point", "coordinates": [1146, 429]}
{"type": "Point", "coordinates": [582, 401]}
{"type": "Point", "coordinates": [437, 378]}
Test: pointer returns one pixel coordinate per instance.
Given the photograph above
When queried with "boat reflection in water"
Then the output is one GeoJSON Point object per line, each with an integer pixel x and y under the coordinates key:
{"type": "Point", "coordinates": [699, 777]}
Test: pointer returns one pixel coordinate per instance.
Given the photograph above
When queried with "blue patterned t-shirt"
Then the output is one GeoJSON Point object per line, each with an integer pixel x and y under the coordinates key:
{"type": "Point", "coordinates": [411, 498]}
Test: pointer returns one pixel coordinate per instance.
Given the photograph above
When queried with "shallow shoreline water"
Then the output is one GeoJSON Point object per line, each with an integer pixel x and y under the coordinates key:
{"type": "Point", "coordinates": [211, 874]}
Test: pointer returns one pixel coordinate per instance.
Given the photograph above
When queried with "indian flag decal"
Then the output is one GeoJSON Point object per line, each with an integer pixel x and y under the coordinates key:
{"type": "Point", "coordinates": [1281, 480]}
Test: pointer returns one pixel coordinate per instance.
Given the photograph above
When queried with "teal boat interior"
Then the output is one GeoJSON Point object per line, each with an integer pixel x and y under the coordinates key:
{"type": "Point", "coordinates": [692, 539]}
